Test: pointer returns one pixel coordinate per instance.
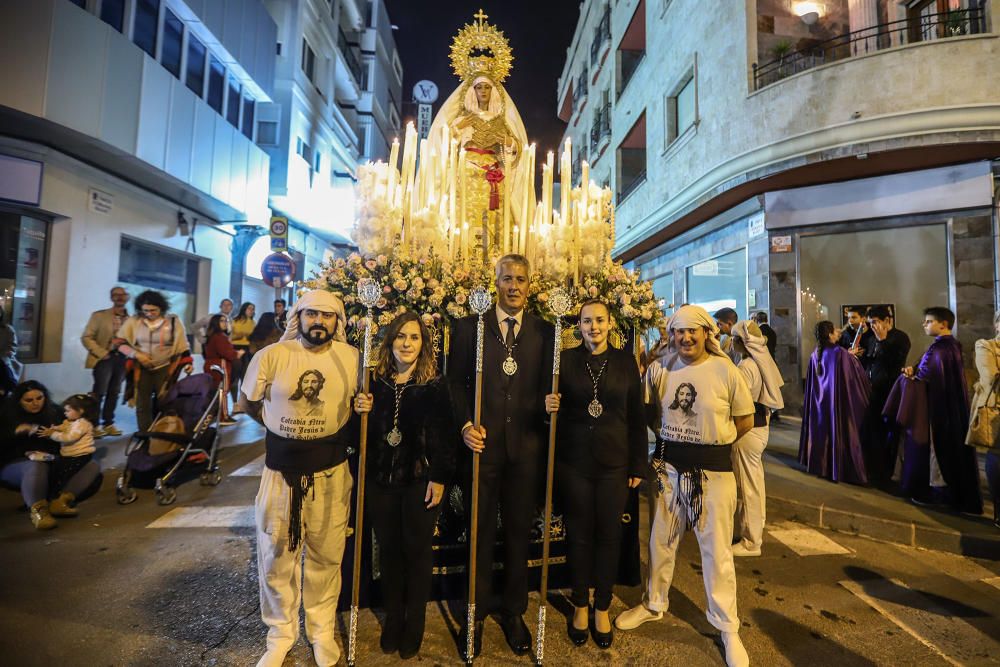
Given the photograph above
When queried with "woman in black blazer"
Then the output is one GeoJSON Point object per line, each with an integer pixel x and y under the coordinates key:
{"type": "Point", "coordinates": [601, 450]}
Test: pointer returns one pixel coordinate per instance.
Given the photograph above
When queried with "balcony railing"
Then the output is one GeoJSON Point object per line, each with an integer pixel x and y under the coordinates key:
{"type": "Point", "coordinates": [580, 89]}
{"type": "Point", "coordinates": [602, 34]}
{"type": "Point", "coordinates": [601, 129]}
{"type": "Point", "coordinates": [353, 64]}
{"type": "Point", "coordinates": [920, 28]}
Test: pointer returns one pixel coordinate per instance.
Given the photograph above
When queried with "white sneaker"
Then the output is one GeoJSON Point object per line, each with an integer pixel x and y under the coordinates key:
{"type": "Point", "coordinates": [326, 652]}
{"type": "Point", "coordinates": [632, 618]}
{"type": "Point", "coordinates": [273, 657]}
{"type": "Point", "coordinates": [741, 551]}
{"type": "Point", "coordinates": [736, 654]}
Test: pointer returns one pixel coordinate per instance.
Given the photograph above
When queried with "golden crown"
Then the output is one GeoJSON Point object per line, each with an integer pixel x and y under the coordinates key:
{"type": "Point", "coordinates": [479, 49]}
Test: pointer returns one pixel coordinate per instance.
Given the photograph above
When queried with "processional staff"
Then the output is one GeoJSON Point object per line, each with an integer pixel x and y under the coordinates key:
{"type": "Point", "coordinates": [559, 304]}
{"type": "Point", "coordinates": [369, 292]}
{"type": "Point", "coordinates": [480, 301]}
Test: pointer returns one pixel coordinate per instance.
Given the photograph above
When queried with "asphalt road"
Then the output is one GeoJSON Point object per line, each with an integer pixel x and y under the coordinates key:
{"type": "Point", "coordinates": [150, 585]}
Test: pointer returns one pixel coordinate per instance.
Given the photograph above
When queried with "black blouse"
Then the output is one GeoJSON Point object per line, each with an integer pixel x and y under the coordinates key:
{"type": "Point", "coordinates": [12, 445]}
{"type": "Point", "coordinates": [427, 450]}
{"type": "Point", "coordinates": [617, 439]}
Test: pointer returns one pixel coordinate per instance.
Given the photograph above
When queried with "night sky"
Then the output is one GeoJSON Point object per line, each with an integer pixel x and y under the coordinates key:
{"type": "Point", "coordinates": [539, 32]}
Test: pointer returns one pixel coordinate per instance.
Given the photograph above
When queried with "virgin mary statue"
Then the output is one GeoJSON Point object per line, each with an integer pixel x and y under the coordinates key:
{"type": "Point", "coordinates": [480, 115]}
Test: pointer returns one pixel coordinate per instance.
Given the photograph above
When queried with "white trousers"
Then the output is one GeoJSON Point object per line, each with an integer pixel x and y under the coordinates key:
{"type": "Point", "coordinates": [714, 531]}
{"type": "Point", "coordinates": [751, 501]}
{"type": "Point", "coordinates": [284, 581]}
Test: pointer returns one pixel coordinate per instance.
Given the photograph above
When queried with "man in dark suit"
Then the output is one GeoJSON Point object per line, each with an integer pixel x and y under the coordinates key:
{"type": "Point", "coordinates": [517, 367]}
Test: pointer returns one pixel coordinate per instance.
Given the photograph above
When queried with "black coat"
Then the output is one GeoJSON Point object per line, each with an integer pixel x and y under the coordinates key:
{"type": "Point", "coordinates": [513, 409]}
{"type": "Point", "coordinates": [13, 446]}
{"type": "Point", "coordinates": [617, 439]}
{"type": "Point", "coordinates": [427, 450]}
{"type": "Point", "coordinates": [886, 360]}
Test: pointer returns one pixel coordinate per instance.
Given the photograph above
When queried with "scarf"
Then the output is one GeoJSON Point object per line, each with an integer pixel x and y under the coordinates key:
{"type": "Point", "coordinates": [322, 301]}
{"type": "Point", "coordinates": [756, 344]}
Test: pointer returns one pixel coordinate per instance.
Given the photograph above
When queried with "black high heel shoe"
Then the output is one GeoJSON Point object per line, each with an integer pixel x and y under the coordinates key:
{"type": "Point", "coordinates": [577, 636]}
{"type": "Point", "coordinates": [602, 639]}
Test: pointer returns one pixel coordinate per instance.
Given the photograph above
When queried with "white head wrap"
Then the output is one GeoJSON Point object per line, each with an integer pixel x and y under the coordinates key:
{"type": "Point", "coordinates": [322, 301]}
{"type": "Point", "coordinates": [770, 394]}
{"type": "Point", "coordinates": [693, 317]}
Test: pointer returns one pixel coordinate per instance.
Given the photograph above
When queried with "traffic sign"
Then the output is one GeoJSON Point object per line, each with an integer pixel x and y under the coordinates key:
{"type": "Point", "coordinates": [277, 270]}
{"type": "Point", "coordinates": [279, 233]}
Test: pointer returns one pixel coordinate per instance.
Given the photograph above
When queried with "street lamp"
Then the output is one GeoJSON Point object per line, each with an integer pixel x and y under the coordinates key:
{"type": "Point", "coordinates": [807, 11]}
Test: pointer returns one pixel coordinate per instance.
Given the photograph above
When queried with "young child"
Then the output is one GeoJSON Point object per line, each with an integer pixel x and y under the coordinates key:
{"type": "Point", "coordinates": [76, 448]}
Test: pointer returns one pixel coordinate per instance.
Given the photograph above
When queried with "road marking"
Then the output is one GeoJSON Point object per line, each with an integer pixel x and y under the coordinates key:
{"type": "Point", "coordinates": [806, 541]}
{"type": "Point", "coordinates": [206, 517]}
{"type": "Point", "coordinates": [934, 626]}
{"type": "Point", "coordinates": [253, 469]}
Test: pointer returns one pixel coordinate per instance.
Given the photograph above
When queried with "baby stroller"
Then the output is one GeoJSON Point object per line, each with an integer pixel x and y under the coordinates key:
{"type": "Point", "coordinates": [154, 457]}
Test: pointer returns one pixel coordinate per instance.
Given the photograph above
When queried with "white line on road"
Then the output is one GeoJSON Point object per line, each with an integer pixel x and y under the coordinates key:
{"type": "Point", "coordinates": [806, 541]}
{"type": "Point", "coordinates": [206, 517]}
{"type": "Point", "coordinates": [934, 626]}
{"type": "Point", "coordinates": [253, 469]}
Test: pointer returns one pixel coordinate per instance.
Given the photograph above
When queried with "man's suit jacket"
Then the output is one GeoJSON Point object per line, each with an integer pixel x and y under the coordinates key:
{"type": "Point", "coordinates": [97, 335]}
{"type": "Point", "coordinates": [513, 409]}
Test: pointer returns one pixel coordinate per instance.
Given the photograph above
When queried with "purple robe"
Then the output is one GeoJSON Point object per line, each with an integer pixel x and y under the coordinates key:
{"type": "Point", "coordinates": [942, 377]}
{"type": "Point", "coordinates": [836, 398]}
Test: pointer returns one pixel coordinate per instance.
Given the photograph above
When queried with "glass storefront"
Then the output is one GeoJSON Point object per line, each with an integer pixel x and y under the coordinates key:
{"type": "Point", "coordinates": [720, 282]}
{"type": "Point", "coordinates": [22, 271]}
{"type": "Point", "coordinates": [144, 266]}
{"type": "Point", "coordinates": [663, 289]}
{"type": "Point", "coordinates": [906, 268]}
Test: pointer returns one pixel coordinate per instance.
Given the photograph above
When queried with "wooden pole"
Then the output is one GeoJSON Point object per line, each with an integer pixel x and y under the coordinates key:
{"type": "Point", "coordinates": [470, 619]}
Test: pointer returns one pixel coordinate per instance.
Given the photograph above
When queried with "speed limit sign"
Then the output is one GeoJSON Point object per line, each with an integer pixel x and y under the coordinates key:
{"type": "Point", "coordinates": [279, 233]}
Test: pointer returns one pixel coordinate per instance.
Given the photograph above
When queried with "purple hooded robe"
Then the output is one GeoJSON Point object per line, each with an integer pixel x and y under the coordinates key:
{"type": "Point", "coordinates": [833, 411]}
{"type": "Point", "coordinates": [942, 379]}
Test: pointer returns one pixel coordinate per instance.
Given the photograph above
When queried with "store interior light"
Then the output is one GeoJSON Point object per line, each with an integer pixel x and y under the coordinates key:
{"type": "Point", "coordinates": [809, 12]}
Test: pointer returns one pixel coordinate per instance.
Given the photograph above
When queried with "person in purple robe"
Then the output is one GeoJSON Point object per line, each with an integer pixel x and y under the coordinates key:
{"type": "Point", "coordinates": [836, 398]}
{"type": "Point", "coordinates": [944, 470]}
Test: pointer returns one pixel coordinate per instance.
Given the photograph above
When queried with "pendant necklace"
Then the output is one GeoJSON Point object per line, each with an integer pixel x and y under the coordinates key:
{"type": "Point", "coordinates": [595, 409]}
{"type": "Point", "coordinates": [395, 436]}
{"type": "Point", "coordinates": [509, 364]}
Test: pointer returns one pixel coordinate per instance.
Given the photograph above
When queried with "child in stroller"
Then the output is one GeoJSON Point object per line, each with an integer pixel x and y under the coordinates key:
{"type": "Point", "coordinates": [184, 431]}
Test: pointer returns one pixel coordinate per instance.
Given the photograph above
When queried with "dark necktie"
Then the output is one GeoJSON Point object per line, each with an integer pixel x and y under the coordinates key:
{"type": "Point", "coordinates": [509, 340]}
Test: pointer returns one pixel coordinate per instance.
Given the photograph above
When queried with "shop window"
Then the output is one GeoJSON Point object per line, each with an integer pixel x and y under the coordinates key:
{"type": "Point", "coordinates": [911, 265]}
{"type": "Point", "coordinates": [173, 37]}
{"type": "Point", "coordinates": [216, 84]}
{"type": "Point", "coordinates": [632, 159]}
{"type": "Point", "coordinates": [144, 266]}
{"type": "Point", "coordinates": [720, 282]}
{"type": "Point", "coordinates": [195, 79]}
{"type": "Point", "coordinates": [147, 16]}
{"type": "Point", "coordinates": [663, 289]}
{"type": "Point", "coordinates": [113, 13]}
{"type": "Point", "coordinates": [233, 104]}
{"type": "Point", "coordinates": [23, 242]}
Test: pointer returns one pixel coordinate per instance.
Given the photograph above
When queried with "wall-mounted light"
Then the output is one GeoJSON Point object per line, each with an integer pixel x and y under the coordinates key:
{"type": "Point", "coordinates": [809, 12]}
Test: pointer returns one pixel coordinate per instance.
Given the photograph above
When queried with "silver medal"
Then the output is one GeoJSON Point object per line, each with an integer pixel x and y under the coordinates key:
{"type": "Point", "coordinates": [509, 365]}
{"type": "Point", "coordinates": [595, 408]}
{"type": "Point", "coordinates": [394, 438]}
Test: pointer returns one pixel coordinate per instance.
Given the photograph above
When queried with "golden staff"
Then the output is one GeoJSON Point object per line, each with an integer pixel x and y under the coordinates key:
{"type": "Point", "coordinates": [480, 301]}
{"type": "Point", "coordinates": [559, 304]}
{"type": "Point", "coordinates": [369, 292]}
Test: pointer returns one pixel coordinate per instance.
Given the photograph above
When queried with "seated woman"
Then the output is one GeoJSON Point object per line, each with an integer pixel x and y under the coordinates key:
{"type": "Point", "coordinates": [601, 450]}
{"type": "Point", "coordinates": [24, 451]}
{"type": "Point", "coordinates": [411, 455]}
{"type": "Point", "coordinates": [833, 411]}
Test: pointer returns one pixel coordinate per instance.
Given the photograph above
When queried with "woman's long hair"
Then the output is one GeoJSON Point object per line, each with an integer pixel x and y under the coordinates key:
{"type": "Point", "coordinates": [215, 326]}
{"type": "Point", "coordinates": [822, 333]}
{"type": "Point", "coordinates": [265, 328]}
{"type": "Point", "coordinates": [242, 315]}
{"type": "Point", "coordinates": [385, 362]}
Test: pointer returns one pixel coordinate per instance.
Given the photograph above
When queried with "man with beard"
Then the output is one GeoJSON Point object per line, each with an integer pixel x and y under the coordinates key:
{"type": "Point", "coordinates": [517, 366]}
{"type": "Point", "coordinates": [684, 402]}
{"type": "Point", "coordinates": [305, 488]}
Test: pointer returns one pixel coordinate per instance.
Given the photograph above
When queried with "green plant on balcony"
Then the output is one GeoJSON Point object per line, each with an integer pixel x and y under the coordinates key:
{"type": "Point", "coordinates": [781, 49]}
{"type": "Point", "coordinates": [954, 23]}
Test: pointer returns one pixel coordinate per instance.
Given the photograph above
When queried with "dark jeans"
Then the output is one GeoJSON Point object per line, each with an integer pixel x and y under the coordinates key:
{"type": "Point", "coordinates": [993, 480]}
{"type": "Point", "coordinates": [593, 506]}
{"type": "Point", "coordinates": [108, 376]}
{"type": "Point", "coordinates": [32, 477]}
{"type": "Point", "coordinates": [145, 392]}
{"type": "Point", "coordinates": [404, 528]}
{"type": "Point", "coordinates": [512, 485]}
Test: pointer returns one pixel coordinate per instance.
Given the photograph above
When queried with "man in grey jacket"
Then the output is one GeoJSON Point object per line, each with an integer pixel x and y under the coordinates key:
{"type": "Point", "coordinates": [104, 358]}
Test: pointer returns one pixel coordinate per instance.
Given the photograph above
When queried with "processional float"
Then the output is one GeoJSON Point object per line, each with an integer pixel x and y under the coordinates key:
{"type": "Point", "coordinates": [432, 222]}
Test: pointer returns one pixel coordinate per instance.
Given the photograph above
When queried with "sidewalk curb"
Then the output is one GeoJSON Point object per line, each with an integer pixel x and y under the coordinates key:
{"type": "Point", "coordinates": [908, 534]}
